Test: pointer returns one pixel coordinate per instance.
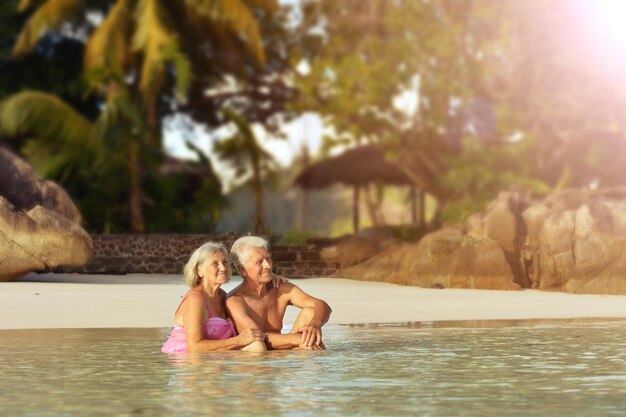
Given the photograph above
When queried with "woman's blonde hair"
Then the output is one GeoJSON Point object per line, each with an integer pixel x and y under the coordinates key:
{"type": "Point", "coordinates": [197, 258]}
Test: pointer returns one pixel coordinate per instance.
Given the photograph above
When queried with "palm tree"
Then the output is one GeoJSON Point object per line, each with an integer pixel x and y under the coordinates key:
{"type": "Point", "coordinates": [246, 154]}
{"type": "Point", "coordinates": [141, 51]}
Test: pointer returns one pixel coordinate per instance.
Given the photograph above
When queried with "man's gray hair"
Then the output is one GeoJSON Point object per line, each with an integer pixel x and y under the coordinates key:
{"type": "Point", "coordinates": [197, 258]}
{"type": "Point", "coordinates": [240, 251]}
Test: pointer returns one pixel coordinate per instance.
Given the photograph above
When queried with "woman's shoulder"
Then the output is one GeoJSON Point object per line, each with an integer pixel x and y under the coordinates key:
{"type": "Point", "coordinates": [193, 297]}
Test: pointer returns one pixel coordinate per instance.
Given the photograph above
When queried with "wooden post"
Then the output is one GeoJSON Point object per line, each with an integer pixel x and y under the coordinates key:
{"type": "Point", "coordinates": [355, 209]}
{"type": "Point", "coordinates": [422, 209]}
{"type": "Point", "coordinates": [413, 197]}
{"type": "Point", "coordinates": [303, 207]}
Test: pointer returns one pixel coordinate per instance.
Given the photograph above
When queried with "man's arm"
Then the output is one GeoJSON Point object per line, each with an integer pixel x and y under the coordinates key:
{"type": "Point", "coordinates": [277, 341]}
{"type": "Point", "coordinates": [311, 331]}
{"type": "Point", "coordinates": [238, 312]}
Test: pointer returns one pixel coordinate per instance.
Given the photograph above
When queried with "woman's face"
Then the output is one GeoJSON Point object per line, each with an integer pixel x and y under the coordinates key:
{"type": "Point", "coordinates": [216, 269]}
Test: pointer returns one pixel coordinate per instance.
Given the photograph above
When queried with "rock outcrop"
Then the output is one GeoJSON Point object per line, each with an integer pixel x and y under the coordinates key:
{"type": "Point", "coordinates": [573, 241]}
{"type": "Point", "coordinates": [443, 259]}
{"type": "Point", "coordinates": [353, 250]}
{"type": "Point", "coordinates": [39, 225]}
{"type": "Point", "coordinates": [580, 246]}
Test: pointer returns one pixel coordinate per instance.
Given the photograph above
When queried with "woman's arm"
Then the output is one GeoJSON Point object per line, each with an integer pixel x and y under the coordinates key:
{"type": "Point", "coordinates": [194, 315]}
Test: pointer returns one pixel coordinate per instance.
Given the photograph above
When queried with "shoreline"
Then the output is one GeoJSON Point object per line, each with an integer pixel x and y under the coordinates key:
{"type": "Point", "coordinates": [48, 301]}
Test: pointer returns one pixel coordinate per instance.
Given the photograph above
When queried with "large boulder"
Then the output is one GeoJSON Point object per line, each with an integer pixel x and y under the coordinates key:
{"type": "Point", "coordinates": [583, 250]}
{"type": "Point", "coordinates": [573, 241]}
{"type": "Point", "coordinates": [39, 225]}
{"type": "Point", "coordinates": [502, 222]}
{"type": "Point", "coordinates": [353, 250]}
{"type": "Point", "coordinates": [443, 259]}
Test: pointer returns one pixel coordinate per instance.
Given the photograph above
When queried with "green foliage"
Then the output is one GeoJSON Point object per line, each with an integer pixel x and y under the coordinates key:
{"type": "Point", "coordinates": [242, 148]}
{"type": "Point", "coordinates": [509, 54]}
{"type": "Point", "coordinates": [477, 174]}
{"type": "Point", "coordinates": [137, 62]}
{"type": "Point", "coordinates": [47, 16]}
{"type": "Point", "coordinates": [246, 154]}
{"type": "Point", "coordinates": [180, 207]}
{"type": "Point", "coordinates": [296, 237]}
{"type": "Point", "coordinates": [407, 233]}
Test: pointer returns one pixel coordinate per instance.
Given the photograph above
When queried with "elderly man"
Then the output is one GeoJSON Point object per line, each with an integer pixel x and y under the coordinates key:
{"type": "Point", "coordinates": [256, 303]}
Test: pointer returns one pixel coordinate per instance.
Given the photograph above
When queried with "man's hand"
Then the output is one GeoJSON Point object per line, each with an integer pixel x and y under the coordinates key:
{"type": "Point", "coordinates": [311, 335]}
{"type": "Point", "coordinates": [251, 335]}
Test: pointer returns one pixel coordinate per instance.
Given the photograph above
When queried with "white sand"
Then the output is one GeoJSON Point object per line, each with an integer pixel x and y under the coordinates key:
{"type": "Point", "coordinates": [89, 301]}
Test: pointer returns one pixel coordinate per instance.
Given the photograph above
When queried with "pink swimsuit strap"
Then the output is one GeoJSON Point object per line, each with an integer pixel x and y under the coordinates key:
{"type": "Point", "coordinates": [212, 322]}
{"type": "Point", "coordinates": [208, 309]}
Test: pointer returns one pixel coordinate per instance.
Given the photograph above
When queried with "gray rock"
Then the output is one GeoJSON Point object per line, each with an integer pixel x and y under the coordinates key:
{"type": "Point", "coordinates": [39, 225]}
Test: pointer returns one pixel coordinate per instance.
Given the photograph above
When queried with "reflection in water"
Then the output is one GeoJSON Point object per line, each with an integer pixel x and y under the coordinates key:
{"type": "Point", "coordinates": [534, 369]}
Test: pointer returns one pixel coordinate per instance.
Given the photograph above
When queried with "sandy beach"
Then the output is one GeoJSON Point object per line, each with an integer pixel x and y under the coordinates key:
{"type": "Point", "coordinates": [97, 301]}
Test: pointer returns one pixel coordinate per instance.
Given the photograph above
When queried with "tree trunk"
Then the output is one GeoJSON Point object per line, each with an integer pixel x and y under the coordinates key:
{"type": "Point", "coordinates": [374, 204]}
{"type": "Point", "coordinates": [413, 199]}
{"type": "Point", "coordinates": [355, 209]}
{"type": "Point", "coordinates": [137, 222]}
{"type": "Point", "coordinates": [259, 220]}
{"type": "Point", "coordinates": [303, 207]}
{"type": "Point", "coordinates": [421, 209]}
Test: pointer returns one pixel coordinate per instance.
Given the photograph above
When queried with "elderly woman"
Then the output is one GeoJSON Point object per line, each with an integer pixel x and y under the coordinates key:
{"type": "Point", "coordinates": [201, 324]}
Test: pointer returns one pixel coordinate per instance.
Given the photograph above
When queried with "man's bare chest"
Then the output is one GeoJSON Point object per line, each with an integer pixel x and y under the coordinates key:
{"type": "Point", "coordinates": [267, 312]}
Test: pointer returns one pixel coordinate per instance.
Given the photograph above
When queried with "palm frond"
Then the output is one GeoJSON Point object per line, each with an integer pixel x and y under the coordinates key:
{"type": "Point", "coordinates": [109, 46]}
{"type": "Point", "coordinates": [60, 142]}
{"type": "Point", "coordinates": [49, 16]}
{"type": "Point", "coordinates": [24, 5]}
{"type": "Point", "coordinates": [182, 69]}
{"type": "Point", "coordinates": [243, 145]}
{"type": "Point", "coordinates": [202, 158]}
{"type": "Point", "coordinates": [43, 116]}
{"type": "Point", "coordinates": [248, 137]}
{"type": "Point", "coordinates": [269, 6]}
{"type": "Point", "coordinates": [230, 148]}
{"type": "Point", "coordinates": [54, 161]}
{"type": "Point", "coordinates": [157, 42]}
{"type": "Point", "coordinates": [119, 119]}
{"type": "Point", "coordinates": [233, 15]}
{"type": "Point", "coordinates": [242, 124]}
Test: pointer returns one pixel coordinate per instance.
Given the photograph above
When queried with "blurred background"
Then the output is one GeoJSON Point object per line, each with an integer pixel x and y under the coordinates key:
{"type": "Point", "coordinates": [311, 118]}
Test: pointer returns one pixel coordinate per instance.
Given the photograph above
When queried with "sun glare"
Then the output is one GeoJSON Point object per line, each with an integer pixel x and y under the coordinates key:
{"type": "Point", "coordinates": [609, 17]}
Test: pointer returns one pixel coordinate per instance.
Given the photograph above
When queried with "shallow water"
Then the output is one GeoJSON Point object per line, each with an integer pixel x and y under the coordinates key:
{"type": "Point", "coordinates": [529, 369]}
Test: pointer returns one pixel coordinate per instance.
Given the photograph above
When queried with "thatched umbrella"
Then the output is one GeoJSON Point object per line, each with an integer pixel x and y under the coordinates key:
{"type": "Point", "coordinates": [356, 167]}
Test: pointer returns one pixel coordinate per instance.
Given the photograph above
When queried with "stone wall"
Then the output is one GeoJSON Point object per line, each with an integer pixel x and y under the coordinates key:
{"type": "Point", "coordinates": [167, 254]}
{"type": "Point", "coordinates": [302, 261]}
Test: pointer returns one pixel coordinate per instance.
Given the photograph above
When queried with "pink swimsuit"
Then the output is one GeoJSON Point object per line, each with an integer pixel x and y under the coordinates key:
{"type": "Point", "coordinates": [215, 328]}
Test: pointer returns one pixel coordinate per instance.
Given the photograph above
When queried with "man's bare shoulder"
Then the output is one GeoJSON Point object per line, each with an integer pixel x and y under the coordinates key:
{"type": "Point", "coordinates": [234, 297]}
{"type": "Point", "coordinates": [286, 288]}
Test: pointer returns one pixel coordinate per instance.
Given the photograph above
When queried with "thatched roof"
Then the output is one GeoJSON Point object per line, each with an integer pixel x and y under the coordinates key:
{"type": "Point", "coordinates": [358, 166]}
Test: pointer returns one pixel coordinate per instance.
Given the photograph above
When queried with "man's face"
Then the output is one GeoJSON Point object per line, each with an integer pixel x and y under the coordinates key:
{"type": "Point", "coordinates": [258, 266]}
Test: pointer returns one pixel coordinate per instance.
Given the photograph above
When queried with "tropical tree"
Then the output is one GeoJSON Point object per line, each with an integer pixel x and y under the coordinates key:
{"type": "Point", "coordinates": [246, 154]}
{"type": "Point", "coordinates": [139, 59]}
{"type": "Point", "coordinates": [502, 98]}
{"type": "Point", "coordinates": [371, 53]}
